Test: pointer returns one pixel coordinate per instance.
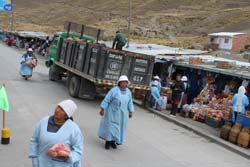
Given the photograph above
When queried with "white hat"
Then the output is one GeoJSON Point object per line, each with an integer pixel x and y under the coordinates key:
{"type": "Point", "coordinates": [242, 90]}
{"type": "Point", "coordinates": [184, 78]}
{"type": "Point", "coordinates": [30, 50]}
{"type": "Point", "coordinates": [123, 78]}
{"type": "Point", "coordinates": [157, 77]}
{"type": "Point", "coordinates": [68, 106]}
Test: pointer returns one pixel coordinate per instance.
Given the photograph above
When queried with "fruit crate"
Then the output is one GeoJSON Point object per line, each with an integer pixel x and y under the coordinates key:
{"type": "Point", "coordinates": [223, 65]}
{"type": "Point", "coordinates": [200, 118]}
{"type": "Point", "coordinates": [195, 60]}
{"type": "Point", "coordinates": [211, 122]}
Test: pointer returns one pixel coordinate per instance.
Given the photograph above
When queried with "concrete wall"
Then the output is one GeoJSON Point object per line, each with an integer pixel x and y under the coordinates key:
{"type": "Point", "coordinates": [224, 43]}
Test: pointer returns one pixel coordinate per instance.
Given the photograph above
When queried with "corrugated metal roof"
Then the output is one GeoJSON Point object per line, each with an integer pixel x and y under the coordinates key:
{"type": "Point", "coordinates": [154, 49]}
{"type": "Point", "coordinates": [226, 34]}
{"type": "Point", "coordinates": [240, 69]}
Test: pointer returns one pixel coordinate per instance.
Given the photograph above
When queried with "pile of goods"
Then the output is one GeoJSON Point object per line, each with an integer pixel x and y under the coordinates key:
{"type": "Point", "coordinates": [236, 134]}
{"type": "Point", "coordinates": [210, 108]}
{"type": "Point", "coordinates": [74, 39]}
{"type": "Point", "coordinates": [223, 65]}
{"type": "Point", "coordinates": [214, 113]}
{"type": "Point", "coordinates": [206, 95]}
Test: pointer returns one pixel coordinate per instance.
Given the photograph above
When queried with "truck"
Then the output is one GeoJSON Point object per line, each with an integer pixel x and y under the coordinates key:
{"type": "Point", "coordinates": [90, 68]}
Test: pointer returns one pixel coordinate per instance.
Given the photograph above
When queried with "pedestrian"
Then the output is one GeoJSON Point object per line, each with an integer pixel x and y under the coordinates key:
{"type": "Point", "coordinates": [28, 62]}
{"type": "Point", "coordinates": [240, 102]}
{"type": "Point", "coordinates": [57, 130]}
{"type": "Point", "coordinates": [177, 88]}
{"type": "Point", "coordinates": [119, 41]}
{"type": "Point", "coordinates": [183, 99]}
{"type": "Point", "coordinates": [116, 108]}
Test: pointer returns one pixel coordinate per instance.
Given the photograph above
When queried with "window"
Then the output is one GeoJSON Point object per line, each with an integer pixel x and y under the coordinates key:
{"type": "Point", "coordinates": [226, 40]}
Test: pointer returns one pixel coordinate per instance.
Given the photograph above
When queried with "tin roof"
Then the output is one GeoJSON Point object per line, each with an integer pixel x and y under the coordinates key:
{"type": "Point", "coordinates": [154, 49]}
{"type": "Point", "coordinates": [226, 34]}
{"type": "Point", "coordinates": [239, 69]}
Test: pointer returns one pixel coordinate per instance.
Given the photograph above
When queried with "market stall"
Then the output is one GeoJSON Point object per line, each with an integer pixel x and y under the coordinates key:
{"type": "Point", "coordinates": [210, 108]}
{"type": "Point", "coordinates": [213, 104]}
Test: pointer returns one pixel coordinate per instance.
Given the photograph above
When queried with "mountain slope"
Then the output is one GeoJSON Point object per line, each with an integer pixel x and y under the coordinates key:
{"type": "Point", "coordinates": [169, 22]}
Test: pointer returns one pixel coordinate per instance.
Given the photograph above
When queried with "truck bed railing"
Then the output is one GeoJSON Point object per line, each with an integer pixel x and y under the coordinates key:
{"type": "Point", "coordinates": [83, 30]}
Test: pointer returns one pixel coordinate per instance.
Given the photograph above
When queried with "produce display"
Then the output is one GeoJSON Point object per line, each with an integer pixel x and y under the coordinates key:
{"type": "Point", "coordinates": [210, 108]}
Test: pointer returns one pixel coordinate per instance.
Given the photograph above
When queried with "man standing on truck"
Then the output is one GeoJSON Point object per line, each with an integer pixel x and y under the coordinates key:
{"type": "Point", "coordinates": [119, 41]}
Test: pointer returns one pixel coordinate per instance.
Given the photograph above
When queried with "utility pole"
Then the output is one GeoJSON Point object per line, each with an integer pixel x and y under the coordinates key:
{"type": "Point", "coordinates": [12, 20]}
{"type": "Point", "coordinates": [12, 16]}
{"type": "Point", "coordinates": [129, 20]}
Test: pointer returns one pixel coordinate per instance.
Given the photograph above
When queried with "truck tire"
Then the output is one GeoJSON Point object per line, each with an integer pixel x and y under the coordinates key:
{"type": "Point", "coordinates": [74, 86]}
{"type": "Point", "coordinates": [53, 76]}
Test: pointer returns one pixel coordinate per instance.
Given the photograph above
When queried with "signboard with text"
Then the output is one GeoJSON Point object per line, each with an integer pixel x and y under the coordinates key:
{"type": "Point", "coordinates": [6, 5]}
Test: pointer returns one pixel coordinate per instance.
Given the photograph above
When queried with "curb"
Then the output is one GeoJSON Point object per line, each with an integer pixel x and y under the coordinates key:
{"type": "Point", "coordinates": [234, 148]}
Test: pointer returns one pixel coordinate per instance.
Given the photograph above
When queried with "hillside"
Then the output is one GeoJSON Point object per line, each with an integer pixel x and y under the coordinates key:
{"type": "Point", "coordinates": [171, 22]}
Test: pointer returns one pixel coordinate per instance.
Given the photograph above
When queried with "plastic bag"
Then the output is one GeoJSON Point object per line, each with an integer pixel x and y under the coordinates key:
{"type": "Point", "coordinates": [59, 150]}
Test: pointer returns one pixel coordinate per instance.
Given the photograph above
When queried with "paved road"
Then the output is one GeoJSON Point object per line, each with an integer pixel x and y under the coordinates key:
{"type": "Point", "coordinates": [151, 141]}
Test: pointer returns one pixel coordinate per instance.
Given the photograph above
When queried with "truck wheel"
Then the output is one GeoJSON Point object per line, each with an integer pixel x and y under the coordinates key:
{"type": "Point", "coordinates": [53, 76]}
{"type": "Point", "coordinates": [74, 86]}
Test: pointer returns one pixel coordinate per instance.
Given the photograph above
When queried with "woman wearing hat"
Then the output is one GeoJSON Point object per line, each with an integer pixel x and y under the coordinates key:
{"type": "Point", "coordinates": [116, 108]}
{"type": "Point", "coordinates": [177, 89]}
{"type": "Point", "coordinates": [60, 130]}
{"type": "Point", "coordinates": [156, 78]}
{"type": "Point", "coordinates": [28, 62]}
{"type": "Point", "coordinates": [240, 102]}
{"type": "Point", "coordinates": [183, 100]}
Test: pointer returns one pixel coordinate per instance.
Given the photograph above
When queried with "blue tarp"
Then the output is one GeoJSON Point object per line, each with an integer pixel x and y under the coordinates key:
{"type": "Point", "coordinates": [245, 121]}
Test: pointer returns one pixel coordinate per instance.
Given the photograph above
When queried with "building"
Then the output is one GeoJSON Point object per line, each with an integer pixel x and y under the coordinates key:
{"type": "Point", "coordinates": [230, 41]}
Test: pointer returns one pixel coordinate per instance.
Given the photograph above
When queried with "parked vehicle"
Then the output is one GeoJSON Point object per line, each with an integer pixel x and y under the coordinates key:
{"type": "Point", "coordinates": [91, 68]}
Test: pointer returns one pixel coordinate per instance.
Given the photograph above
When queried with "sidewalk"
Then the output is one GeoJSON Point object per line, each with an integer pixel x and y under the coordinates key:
{"type": "Point", "coordinates": [201, 129]}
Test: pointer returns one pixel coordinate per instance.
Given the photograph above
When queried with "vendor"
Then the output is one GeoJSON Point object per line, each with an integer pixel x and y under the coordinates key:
{"type": "Point", "coordinates": [155, 93]}
{"type": "Point", "coordinates": [240, 102]}
{"type": "Point", "coordinates": [156, 78]}
{"type": "Point", "coordinates": [183, 100]}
